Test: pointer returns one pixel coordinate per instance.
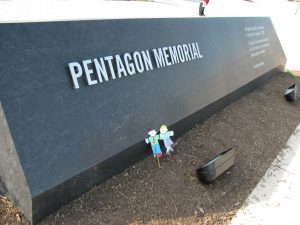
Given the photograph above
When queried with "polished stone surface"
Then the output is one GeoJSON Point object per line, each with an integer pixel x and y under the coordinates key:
{"type": "Point", "coordinates": [66, 138]}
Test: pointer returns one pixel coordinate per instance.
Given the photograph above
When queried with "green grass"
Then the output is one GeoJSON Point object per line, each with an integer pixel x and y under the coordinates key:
{"type": "Point", "coordinates": [289, 73]}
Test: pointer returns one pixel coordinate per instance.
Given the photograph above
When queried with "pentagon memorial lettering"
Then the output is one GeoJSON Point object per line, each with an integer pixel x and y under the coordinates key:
{"type": "Point", "coordinates": [130, 64]}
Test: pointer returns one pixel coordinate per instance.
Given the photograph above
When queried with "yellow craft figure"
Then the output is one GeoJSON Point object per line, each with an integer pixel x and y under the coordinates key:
{"type": "Point", "coordinates": [165, 136]}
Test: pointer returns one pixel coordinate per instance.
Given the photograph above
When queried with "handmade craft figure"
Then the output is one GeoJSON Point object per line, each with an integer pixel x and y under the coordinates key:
{"type": "Point", "coordinates": [153, 140]}
{"type": "Point", "coordinates": [165, 136]}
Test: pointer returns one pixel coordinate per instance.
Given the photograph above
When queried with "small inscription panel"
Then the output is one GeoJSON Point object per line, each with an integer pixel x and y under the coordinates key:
{"type": "Point", "coordinates": [258, 44]}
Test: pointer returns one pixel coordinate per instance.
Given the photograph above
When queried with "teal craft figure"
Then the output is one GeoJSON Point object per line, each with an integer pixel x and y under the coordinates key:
{"type": "Point", "coordinates": [153, 140]}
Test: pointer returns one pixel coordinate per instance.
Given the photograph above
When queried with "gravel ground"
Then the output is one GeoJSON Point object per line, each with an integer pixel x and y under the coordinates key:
{"type": "Point", "coordinates": [257, 126]}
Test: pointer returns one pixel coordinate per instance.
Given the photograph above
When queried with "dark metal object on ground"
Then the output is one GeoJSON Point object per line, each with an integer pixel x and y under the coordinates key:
{"type": "Point", "coordinates": [291, 93]}
{"type": "Point", "coordinates": [216, 166]}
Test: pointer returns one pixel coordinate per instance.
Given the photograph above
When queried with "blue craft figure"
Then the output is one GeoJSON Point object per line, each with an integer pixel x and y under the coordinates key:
{"type": "Point", "coordinates": [165, 136]}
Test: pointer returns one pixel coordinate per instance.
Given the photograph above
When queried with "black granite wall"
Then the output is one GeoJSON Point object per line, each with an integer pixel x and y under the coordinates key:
{"type": "Point", "coordinates": [68, 139]}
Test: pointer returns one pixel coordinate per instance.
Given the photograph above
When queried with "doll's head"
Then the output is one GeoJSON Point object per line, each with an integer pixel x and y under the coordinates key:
{"type": "Point", "coordinates": [163, 129]}
{"type": "Point", "coordinates": [152, 132]}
